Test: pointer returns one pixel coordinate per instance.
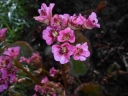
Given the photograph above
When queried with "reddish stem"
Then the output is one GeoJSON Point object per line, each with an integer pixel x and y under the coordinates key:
{"type": "Point", "coordinates": [63, 75]}
{"type": "Point", "coordinates": [18, 65]}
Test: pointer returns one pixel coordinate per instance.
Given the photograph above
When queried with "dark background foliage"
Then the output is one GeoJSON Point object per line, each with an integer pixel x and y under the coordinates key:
{"type": "Point", "coordinates": [109, 44]}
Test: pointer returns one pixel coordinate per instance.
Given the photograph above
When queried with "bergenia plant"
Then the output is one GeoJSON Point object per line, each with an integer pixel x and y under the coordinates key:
{"type": "Point", "coordinates": [61, 34]}
{"type": "Point", "coordinates": [61, 30]}
{"type": "Point", "coordinates": [69, 50]}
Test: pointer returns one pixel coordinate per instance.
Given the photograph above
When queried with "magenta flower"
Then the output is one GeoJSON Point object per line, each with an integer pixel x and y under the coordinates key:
{"type": "Point", "coordinates": [37, 87]}
{"type": "Point", "coordinates": [36, 59]}
{"type": "Point", "coordinates": [62, 52]}
{"type": "Point", "coordinates": [13, 52]}
{"type": "Point", "coordinates": [53, 72]}
{"type": "Point", "coordinates": [50, 35]}
{"type": "Point", "coordinates": [5, 62]}
{"type": "Point", "coordinates": [49, 89]}
{"type": "Point", "coordinates": [64, 20]}
{"type": "Point", "coordinates": [81, 52]}
{"type": "Point", "coordinates": [66, 35]}
{"type": "Point", "coordinates": [12, 74]}
{"type": "Point", "coordinates": [42, 19]}
{"type": "Point", "coordinates": [34, 95]}
{"type": "Point", "coordinates": [80, 19]}
{"type": "Point", "coordinates": [91, 22]}
{"type": "Point", "coordinates": [2, 33]}
{"type": "Point", "coordinates": [42, 89]}
{"type": "Point", "coordinates": [7, 72]}
{"type": "Point", "coordinates": [54, 95]}
{"type": "Point", "coordinates": [4, 72]}
{"type": "Point", "coordinates": [3, 84]}
{"type": "Point", "coordinates": [24, 60]}
{"type": "Point", "coordinates": [44, 80]}
{"type": "Point", "coordinates": [45, 13]}
{"type": "Point", "coordinates": [76, 21]}
{"type": "Point", "coordinates": [55, 21]}
{"type": "Point", "coordinates": [13, 78]}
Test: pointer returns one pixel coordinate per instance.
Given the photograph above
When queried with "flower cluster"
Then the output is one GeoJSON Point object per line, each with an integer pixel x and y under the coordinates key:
{"type": "Point", "coordinates": [35, 59]}
{"type": "Point", "coordinates": [48, 88]}
{"type": "Point", "coordinates": [60, 31]}
{"type": "Point", "coordinates": [7, 72]}
{"type": "Point", "coordinates": [53, 72]}
{"type": "Point", "coordinates": [12, 52]}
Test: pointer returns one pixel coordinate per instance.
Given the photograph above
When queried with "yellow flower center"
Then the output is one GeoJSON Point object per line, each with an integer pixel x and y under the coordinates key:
{"type": "Point", "coordinates": [54, 33]}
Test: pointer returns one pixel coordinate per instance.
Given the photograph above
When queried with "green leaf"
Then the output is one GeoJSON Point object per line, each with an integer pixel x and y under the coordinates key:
{"type": "Point", "coordinates": [78, 68]}
{"type": "Point", "coordinates": [80, 38]}
{"type": "Point", "coordinates": [89, 89]}
{"type": "Point", "coordinates": [113, 67]}
{"type": "Point", "coordinates": [25, 48]}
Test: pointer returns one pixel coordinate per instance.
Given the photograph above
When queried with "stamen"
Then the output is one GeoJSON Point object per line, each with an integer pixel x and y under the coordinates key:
{"type": "Point", "coordinates": [54, 33]}
{"type": "Point", "coordinates": [66, 37]}
{"type": "Point", "coordinates": [79, 50]}
{"type": "Point", "coordinates": [63, 50]}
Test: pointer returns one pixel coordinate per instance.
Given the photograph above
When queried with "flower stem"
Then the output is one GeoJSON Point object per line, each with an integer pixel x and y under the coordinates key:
{"type": "Point", "coordinates": [44, 70]}
{"type": "Point", "coordinates": [18, 65]}
{"type": "Point", "coordinates": [63, 75]}
{"type": "Point", "coordinates": [5, 43]}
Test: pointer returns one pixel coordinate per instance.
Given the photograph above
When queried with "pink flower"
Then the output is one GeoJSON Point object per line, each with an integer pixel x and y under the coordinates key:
{"type": "Point", "coordinates": [5, 62]}
{"type": "Point", "coordinates": [3, 84]}
{"type": "Point", "coordinates": [13, 78]}
{"type": "Point", "coordinates": [7, 72]}
{"type": "Point", "coordinates": [24, 60]}
{"type": "Point", "coordinates": [37, 87]}
{"type": "Point", "coordinates": [13, 52]}
{"type": "Point", "coordinates": [50, 35]}
{"type": "Point", "coordinates": [45, 13]}
{"type": "Point", "coordinates": [55, 21]}
{"type": "Point", "coordinates": [44, 80]}
{"type": "Point", "coordinates": [4, 72]}
{"type": "Point", "coordinates": [12, 74]}
{"type": "Point", "coordinates": [34, 95]}
{"type": "Point", "coordinates": [66, 35]}
{"type": "Point", "coordinates": [62, 52]}
{"type": "Point", "coordinates": [36, 59]}
{"type": "Point", "coordinates": [54, 95]}
{"type": "Point", "coordinates": [2, 33]}
{"type": "Point", "coordinates": [41, 19]}
{"type": "Point", "coordinates": [81, 52]}
{"type": "Point", "coordinates": [91, 22]}
{"type": "Point", "coordinates": [76, 21]}
{"type": "Point", "coordinates": [53, 72]}
{"type": "Point", "coordinates": [50, 89]}
{"type": "Point", "coordinates": [80, 19]}
{"type": "Point", "coordinates": [64, 20]}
